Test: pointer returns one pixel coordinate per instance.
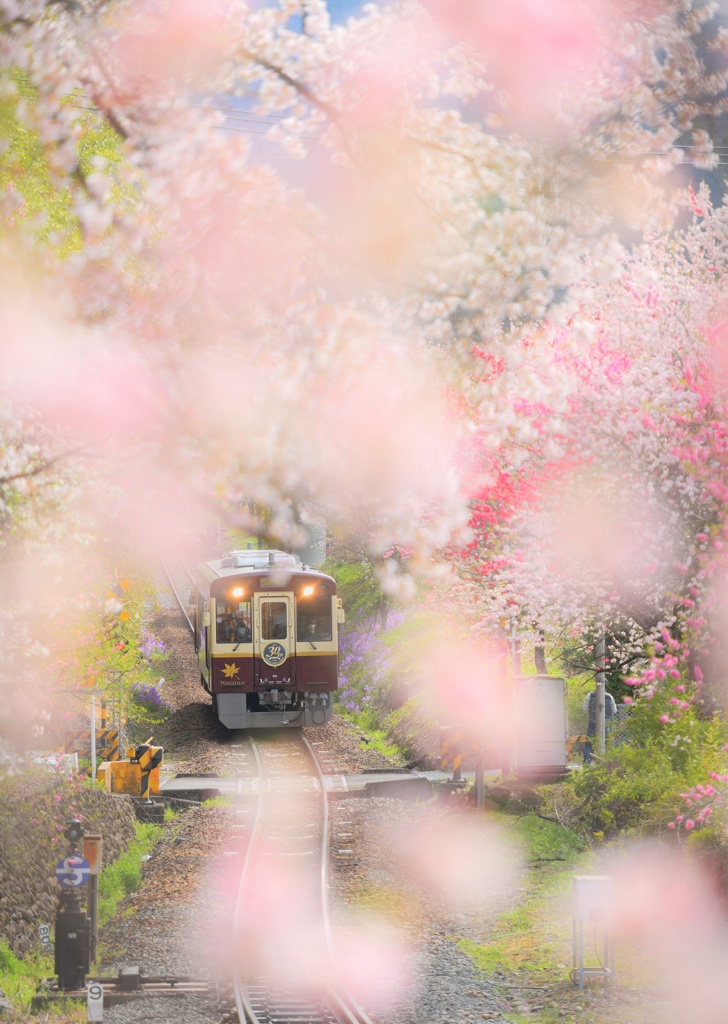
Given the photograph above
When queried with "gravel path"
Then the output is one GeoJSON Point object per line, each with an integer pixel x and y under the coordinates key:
{"type": "Point", "coordinates": [176, 922]}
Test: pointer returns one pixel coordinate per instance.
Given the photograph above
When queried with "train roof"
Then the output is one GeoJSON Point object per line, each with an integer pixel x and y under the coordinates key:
{"type": "Point", "coordinates": [255, 561]}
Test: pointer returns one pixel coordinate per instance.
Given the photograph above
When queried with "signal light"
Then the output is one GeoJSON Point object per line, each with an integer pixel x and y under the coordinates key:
{"type": "Point", "coordinates": [74, 830]}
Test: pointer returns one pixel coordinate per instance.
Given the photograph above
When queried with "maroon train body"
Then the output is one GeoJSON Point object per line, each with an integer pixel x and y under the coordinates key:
{"type": "Point", "coordinates": [266, 633]}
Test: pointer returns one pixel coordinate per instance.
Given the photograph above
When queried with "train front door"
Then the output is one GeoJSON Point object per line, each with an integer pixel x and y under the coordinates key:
{"type": "Point", "coordinates": [273, 640]}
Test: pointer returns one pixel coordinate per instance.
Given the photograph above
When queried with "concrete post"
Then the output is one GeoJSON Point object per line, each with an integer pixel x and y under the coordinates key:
{"type": "Point", "coordinates": [601, 722]}
{"type": "Point", "coordinates": [93, 737]}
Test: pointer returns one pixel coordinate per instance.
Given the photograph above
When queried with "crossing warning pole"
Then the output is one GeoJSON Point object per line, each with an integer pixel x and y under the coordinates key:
{"type": "Point", "coordinates": [92, 851]}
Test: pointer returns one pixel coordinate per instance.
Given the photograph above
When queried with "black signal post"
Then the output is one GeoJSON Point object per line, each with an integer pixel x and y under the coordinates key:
{"type": "Point", "coordinates": [73, 929]}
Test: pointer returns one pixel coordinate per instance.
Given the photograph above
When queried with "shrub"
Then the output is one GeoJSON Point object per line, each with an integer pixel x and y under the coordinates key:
{"type": "Point", "coordinates": [147, 704]}
{"type": "Point", "coordinates": [639, 784]}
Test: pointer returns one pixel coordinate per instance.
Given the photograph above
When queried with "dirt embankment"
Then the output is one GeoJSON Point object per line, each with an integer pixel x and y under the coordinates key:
{"type": "Point", "coordinates": [35, 808]}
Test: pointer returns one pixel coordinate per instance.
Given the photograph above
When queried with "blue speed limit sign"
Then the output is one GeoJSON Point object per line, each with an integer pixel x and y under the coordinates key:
{"type": "Point", "coordinates": [72, 872]}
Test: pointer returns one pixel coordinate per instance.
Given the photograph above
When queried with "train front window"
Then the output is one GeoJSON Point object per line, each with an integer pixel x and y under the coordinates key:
{"type": "Point", "coordinates": [273, 620]}
{"type": "Point", "coordinates": [233, 620]}
{"type": "Point", "coordinates": [313, 615]}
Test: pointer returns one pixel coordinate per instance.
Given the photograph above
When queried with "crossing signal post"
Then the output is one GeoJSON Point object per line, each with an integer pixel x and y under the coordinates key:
{"type": "Point", "coordinates": [73, 928]}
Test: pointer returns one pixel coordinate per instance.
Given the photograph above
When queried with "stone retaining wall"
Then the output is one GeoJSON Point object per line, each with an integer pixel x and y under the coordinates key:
{"type": "Point", "coordinates": [34, 808]}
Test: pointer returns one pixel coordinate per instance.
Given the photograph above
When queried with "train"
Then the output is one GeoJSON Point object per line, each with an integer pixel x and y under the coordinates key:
{"type": "Point", "coordinates": [266, 636]}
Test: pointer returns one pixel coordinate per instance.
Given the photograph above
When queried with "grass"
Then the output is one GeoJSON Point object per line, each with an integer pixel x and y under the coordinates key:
{"type": "Point", "coordinates": [225, 800]}
{"type": "Point", "coordinates": [397, 907]}
{"type": "Point", "coordinates": [376, 739]}
{"type": "Point", "coordinates": [526, 942]}
{"type": "Point", "coordinates": [19, 978]}
{"type": "Point", "coordinates": [542, 840]}
{"type": "Point", "coordinates": [530, 945]}
{"type": "Point", "coordinates": [124, 876]}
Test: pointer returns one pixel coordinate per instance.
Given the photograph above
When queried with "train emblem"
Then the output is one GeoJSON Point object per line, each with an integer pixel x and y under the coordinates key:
{"type": "Point", "coordinates": [274, 654]}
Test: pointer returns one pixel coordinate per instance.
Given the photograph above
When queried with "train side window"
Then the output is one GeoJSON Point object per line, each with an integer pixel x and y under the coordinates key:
{"type": "Point", "coordinates": [233, 619]}
{"type": "Point", "coordinates": [273, 620]}
{"type": "Point", "coordinates": [314, 617]}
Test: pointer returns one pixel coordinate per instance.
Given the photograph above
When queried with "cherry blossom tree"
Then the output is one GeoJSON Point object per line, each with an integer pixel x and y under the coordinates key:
{"type": "Point", "coordinates": [617, 507]}
{"type": "Point", "coordinates": [344, 319]}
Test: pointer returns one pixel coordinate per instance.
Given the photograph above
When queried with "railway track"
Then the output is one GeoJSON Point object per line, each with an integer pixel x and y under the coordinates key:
{"type": "Point", "coordinates": [288, 841]}
{"type": "Point", "coordinates": [179, 577]}
{"type": "Point", "coordinates": [288, 844]}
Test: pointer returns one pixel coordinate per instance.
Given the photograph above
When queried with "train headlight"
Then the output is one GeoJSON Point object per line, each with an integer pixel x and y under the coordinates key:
{"type": "Point", "coordinates": [238, 592]}
{"type": "Point", "coordinates": [307, 591]}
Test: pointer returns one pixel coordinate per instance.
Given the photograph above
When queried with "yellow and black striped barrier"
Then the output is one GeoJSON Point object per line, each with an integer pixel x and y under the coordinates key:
{"type": "Point", "coordinates": [148, 757]}
{"type": "Point", "coordinates": [107, 743]}
{"type": "Point", "coordinates": [574, 741]}
{"type": "Point", "coordinates": [451, 750]}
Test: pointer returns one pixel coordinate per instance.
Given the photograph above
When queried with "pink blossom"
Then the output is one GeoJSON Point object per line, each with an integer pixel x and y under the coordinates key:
{"type": "Point", "coordinates": [689, 825]}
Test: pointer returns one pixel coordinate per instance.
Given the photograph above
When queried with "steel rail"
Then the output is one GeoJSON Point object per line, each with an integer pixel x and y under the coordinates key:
{"type": "Point", "coordinates": [337, 1002]}
{"type": "Point", "coordinates": [242, 1002]}
{"type": "Point", "coordinates": [178, 599]}
{"type": "Point", "coordinates": [346, 1006]}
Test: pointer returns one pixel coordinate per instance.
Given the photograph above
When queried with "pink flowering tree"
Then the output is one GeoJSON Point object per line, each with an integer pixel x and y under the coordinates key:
{"type": "Point", "coordinates": [339, 313]}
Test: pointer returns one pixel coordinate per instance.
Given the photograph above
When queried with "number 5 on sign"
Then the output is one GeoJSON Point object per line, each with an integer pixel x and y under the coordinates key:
{"type": "Point", "coordinates": [95, 1001]}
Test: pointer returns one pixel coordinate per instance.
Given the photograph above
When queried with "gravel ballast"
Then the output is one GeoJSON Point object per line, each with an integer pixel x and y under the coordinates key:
{"type": "Point", "coordinates": [177, 919]}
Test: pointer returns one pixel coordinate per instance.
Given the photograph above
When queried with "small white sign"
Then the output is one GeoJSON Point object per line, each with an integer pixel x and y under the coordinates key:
{"type": "Point", "coordinates": [44, 932]}
{"type": "Point", "coordinates": [95, 1001]}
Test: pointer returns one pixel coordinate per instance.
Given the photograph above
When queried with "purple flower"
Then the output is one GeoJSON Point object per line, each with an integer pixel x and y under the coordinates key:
{"type": "Point", "coordinates": [148, 699]}
{"type": "Point", "coordinates": [151, 645]}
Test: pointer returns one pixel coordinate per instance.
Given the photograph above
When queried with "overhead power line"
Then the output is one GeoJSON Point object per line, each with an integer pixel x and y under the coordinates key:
{"type": "Point", "coordinates": [245, 117]}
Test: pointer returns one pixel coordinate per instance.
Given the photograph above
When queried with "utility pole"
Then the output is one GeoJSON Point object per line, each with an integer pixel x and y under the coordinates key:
{"type": "Point", "coordinates": [93, 737]}
{"type": "Point", "coordinates": [601, 722]}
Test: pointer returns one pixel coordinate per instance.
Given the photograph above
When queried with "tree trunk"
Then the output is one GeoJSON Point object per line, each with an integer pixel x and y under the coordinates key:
{"type": "Point", "coordinates": [539, 655]}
